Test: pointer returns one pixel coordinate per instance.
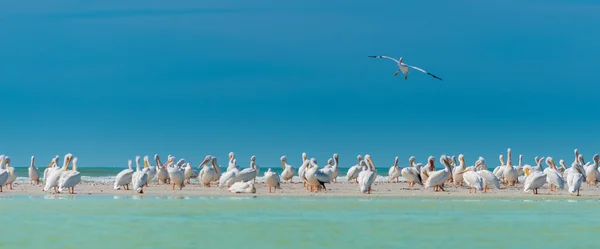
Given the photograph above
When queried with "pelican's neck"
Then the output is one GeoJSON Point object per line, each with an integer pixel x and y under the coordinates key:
{"type": "Point", "coordinates": [32, 162]}
{"type": "Point", "coordinates": [75, 164]}
{"type": "Point", "coordinates": [520, 160]}
{"type": "Point", "coordinates": [396, 162]}
{"type": "Point", "coordinates": [335, 162]}
{"type": "Point", "coordinates": [283, 164]}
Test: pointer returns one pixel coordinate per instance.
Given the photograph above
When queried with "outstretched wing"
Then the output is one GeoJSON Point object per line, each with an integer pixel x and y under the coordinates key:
{"type": "Point", "coordinates": [416, 68]}
{"type": "Point", "coordinates": [383, 57]}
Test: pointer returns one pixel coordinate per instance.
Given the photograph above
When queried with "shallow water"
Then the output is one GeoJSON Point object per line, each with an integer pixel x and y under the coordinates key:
{"type": "Point", "coordinates": [298, 222]}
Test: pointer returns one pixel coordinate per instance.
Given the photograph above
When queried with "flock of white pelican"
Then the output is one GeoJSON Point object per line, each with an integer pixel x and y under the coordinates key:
{"type": "Point", "coordinates": [237, 180]}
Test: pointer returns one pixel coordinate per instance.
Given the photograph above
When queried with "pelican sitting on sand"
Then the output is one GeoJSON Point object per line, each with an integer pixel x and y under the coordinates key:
{"type": "Point", "coordinates": [403, 67]}
{"type": "Point", "coordinates": [411, 173]}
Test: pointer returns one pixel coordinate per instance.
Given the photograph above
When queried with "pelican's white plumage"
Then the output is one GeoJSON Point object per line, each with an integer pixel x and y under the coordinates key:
{"type": "Point", "coordinates": [411, 174]}
{"type": "Point", "coordinates": [139, 177]}
{"type": "Point", "coordinates": [534, 180]}
{"type": "Point", "coordinates": [509, 173]}
{"type": "Point", "coordinates": [188, 172]}
{"type": "Point", "coordinates": [316, 178]}
{"type": "Point", "coordinates": [228, 178]}
{"type": "Point", "coordinates": [162, 174]}
{"type": "Point", "coordinates": [123, 179]}
{"type": "Point", "coordinates": [243, 187]}
{"type": "Point", "coordinates": [34, 172]}
{"type": "Point", "coordinates": [591, 171]}
{"type": "Point", "coordinates": [499, 170]}
{"type": "Point", "coordinates": [430, 167]}
{"type": "Point", "coordinates": [12, 173]}
{"type": "Point", "coordinates": [553, 177]}
{"type": "Point", "coordinates": [395, 172]}
{"type": "Point", "coordinates": [288, 170]}
{"type": "Point", "coordinates": [437, 178]}
{"type": "Point", "coordinates": [472, 179]}
{"type": "Point", "coordinates": [403, 67]}
{"type": "Point", "coordinates": [367, 176]}
{"type": "Point", "coordinates": [232, 165]}
{"type": "Point", "coordinates": [489, 179]}
{"type": "Point", "coordinates": [458, 178]}
{"type": "Point", "coordinates": [207, 172]}
{"type": "Point", "coordinates": [69, 178]}
{"type": "Point", "coordinates": [3, 172]}
{"type": "Point", "coordinates": [353, 171]}
{"type": "Point", "coordinates": [176, 177]}
{"type": "Point", "coordinates": [272, 180]}
{"type": "Point", "coordinates": [149, 169]}
{"type": "Point", "coordinates": [302, 169]}
{"type": "Point", "coordinates": [335, 168]}
{"type": "Point", "coordinates": [248, 174]}
{"type": "Point", "coordinates": [52, 166]}
{"type": "Point", "coordinates": [55, 173]}
{"type": "Point", "coordinates": [575, 177]}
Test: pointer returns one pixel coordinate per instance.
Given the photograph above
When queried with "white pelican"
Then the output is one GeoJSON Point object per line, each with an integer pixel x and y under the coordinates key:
{"type": "Point", "coordinates": [316, 178]}
{"type": "Point", "coordinates": [242, 187]}
{"type": "Point", "coordinates": [302, 169]}
{"type": "Point", "coordinates": [458, 178]}
{"type": "Point", "coordinates": [232, 165]}
{"type": "Point", "coordinates": [553, 177]}
{"type": "Point", "coordinates": [207, 173]}
{"type": "Point", "coordinates": [403, 67]}
{"type": "Point", "coordinates": [352, 173]}
{"type": "Point", "coordinates": [149, 169]}
{"type": "Point", "coordinates": [575, 177]}
{"type": "Point", "coordinates": [288, 170]}
{"type": "Point", "coordinates": [123, 179]}
{"type": "Point", "coordinates": [489, 179]}
{"type": "Point", "coordinates": [218, 170]}
{"type": "Point", "coordinates": [248, 174]}
{"type": "Point", "coordinates": [229, 177]}
{"type": "Point", "coordinates": [472, 179]}
{"type": "Point", "coordinates": [499, 170]}
{"type": "Point", "coordinates": [52, 166]}
{"type": "Point", "coordinates": [367, 176]}
{"type": "Point", "coordinates": [187, 172]}
{"type": "Point", "coordinates": [519, 167]}
{"type": "Point", "coordinates": [335, 168]}
{"type": "Point", "coordinates": [272, 180]}
{"type": "Point", "coordinates": [510, 174]}
{"type": "Point", "coordinates": [69, 178]}
{"type": "Point", "coordinates": [3, 173]}
{"type": "Point", "coordinates": [395, 172]}
{"type": "Point", "coordinates": [54, 174]}
{"type": "Point", "coordinates": [430, 167]}
{"type": "Point", "coordinates": [12, 174]}
{"type": "Point", "coordinates": [411, 173]}
{"type": "Point", "coordinates": [162, 174]}
{"type": "Point", "coordinates": [175, 175]}
{"type": "Point", "coordinates": [591, 171]}
{"type": "Point", "coordinates": [437, 178]}
{"type": "Point", "coordinates": [534, 180]}
{"type": "Point", "coordinates": [139, 177]}
{"type": "Point", "coordinates": [34, 172]}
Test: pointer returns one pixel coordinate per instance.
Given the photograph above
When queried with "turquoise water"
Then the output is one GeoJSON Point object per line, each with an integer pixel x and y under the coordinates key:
{"type": "Point", "coordinates": [244, 221]}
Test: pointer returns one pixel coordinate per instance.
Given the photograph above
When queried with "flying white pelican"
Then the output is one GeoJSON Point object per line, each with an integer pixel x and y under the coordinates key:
{"type": "Point", "coordinates": [367, 176]}
{"type": "Point", "coordinates": [162, 174]}
{"type": "Point", "coordinates": [575, 177]}
{"type": "Point", "coordinates": [69, 178]}
{"type": "Point", "coordinates": [352, 173]}
{"type": "Point", "coordinates": [489, 179]}
{"type": "Point", "coordinates": [232, 165]}
{"type": "Point", "coordinates": [411, 173]}
{"type": "Point", "coordinates": [472, 179]}
{"type": "Point", "coordinates": [54, 174]}
{"type": "Point", "coordinates": [272, 180]}
{"type": "Point", "coordinates": [207, 172]}
{"type": "Point", "coordinates": [553, 177]}
{"type": "Point", "coordinates": [458, 178]}
{"type": "Point", "coordinates": [123, 179]}
{"type": "Point", "coordinates": [228, 178]}
{"type": "Point", "coordinates": [34, 172]}
{"type": "Point", "coordinates": [12, 174]}
{"type": "Point", "coordinates": [149, 169]}
{"type": "Point", "coordinates": [175, 175]}
{"type": "Point", "coordinates": [403, 67]}
{"type": "Point", "coordinates": [139, 177]}
{"type": "Point", "coordinates": [510, 174]}
{"type": "Point", "coordinates": [437, 178]}
{"type": "Point", "coordinates": [242, 187]}
{"type": "Point", "coordinates": [316, 178]}
{"type": "Point", "coordinates": [534, 180]}
{"type": "Point", "coordinates": [302, 169]}
{"type": "Point", "coordinates": [591, 171]}
{"type": "Point", "coordinates": [395, 172]}
{"type": "Point", "coordinates": [288, 170]}
{"type": "Point", "coordinates": [3, 172]}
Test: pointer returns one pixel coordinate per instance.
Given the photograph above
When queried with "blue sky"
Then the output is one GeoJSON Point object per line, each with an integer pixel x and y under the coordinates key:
{"type": "Point", "coordinates": [108, 80]}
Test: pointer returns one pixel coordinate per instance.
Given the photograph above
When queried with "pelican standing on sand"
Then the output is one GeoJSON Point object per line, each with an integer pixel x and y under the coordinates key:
{"type": "Point", "coordinates": [411, 173]}
{"type": "Point", "coordinates": [123, 179]}
{"type": "Point", "coordinates": [591, 171]}
{"type": "Point", "coordinates": [149, 169]}
{"type": "Point", "coordinates": [489, 179]}
{"type": "Point", "coordinates": [367, 176]}
{"type": "Point", "coordinates": [436, 179]}
{"type": "Point", "coordinates": [430, 167]}
{"type": "Point", "coordinates": [534, 180]}
{"type": "Point", "coordinates": [187, 172]}
{"type": "Point", "coordinates": [34, 172]}
{"type": "Point", "coordinates": [3, 173]}
{"type": "Point", "coordinates": [316, 178]}
{"type": "Point", "coordinates": [553, 177]}
{"type": "Point", "coordinates": [272, 180]}
{"type": "Point", "coordinates": [52, 166]}
{"type": "Point", "coordinates": [162, 174]}
{"type": "Point", "coordinates": [403, 67]}
{"type": "Point", "coordinates": [395, 172]}
{"type": "Point", "coordinates": [335, 168]}
{"type": "Point", "coordinates": [510, 173]}
{"type": "Point", "coordinates": [288, 170]}
{"type": "Point", "coordinates": [575, 177]}
{"type": "Point", "coordinates": [69, 178]}
{"type": "Point", "coordinates": [472, 179]}
{"type": "Point", "coordinates": [139, 177]}
{"type": "Point", "coordinates": [207, 172]}
{"type": "Point", "coordinates": [175, 175]}
{"type": "Point", "coordinates": [458, 178]}
{"type": "Point", "coordinates": [55, 173]}
{"type": "Point", "coordinates": [12, 174]}
{"type": "Point", "coordinates": [353, 171]}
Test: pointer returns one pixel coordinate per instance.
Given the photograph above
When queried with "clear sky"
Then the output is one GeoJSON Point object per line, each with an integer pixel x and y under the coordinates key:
{"type": "Point", "coordinates": [108, 80]}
